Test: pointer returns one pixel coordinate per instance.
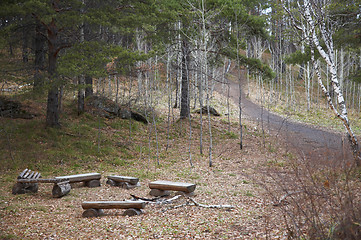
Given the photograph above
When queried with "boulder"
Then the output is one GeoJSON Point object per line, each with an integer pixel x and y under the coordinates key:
{"type": "Point", "coordinates": [110, 109]}
{"type": "Point", "coordinates": [12, 109]}
{"type": "Point", "coordinates": [212, 111]}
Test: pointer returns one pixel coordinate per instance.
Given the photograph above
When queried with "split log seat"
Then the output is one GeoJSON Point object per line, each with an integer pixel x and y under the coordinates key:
{"type": "Point", "coordinates": [95, 209]}
{"type": "Point", "coordinates": [162, 188]}
{"type": "Point", "coordinates": [123, 181]}
{"type": "Point", "coordinates": [89, 179]}
{"type": "Point", "coordinates": [28, 182]}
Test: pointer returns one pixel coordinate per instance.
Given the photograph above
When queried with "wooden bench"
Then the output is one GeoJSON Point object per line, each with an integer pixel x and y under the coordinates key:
{"type": "Point", "coordinates": [95, 209]}
{"type": "Point", "coordinates": [123, 181]}
{"type": "Point", "coordinates": [89, 179]}
{"type": "Point", "coordinates": [28, 180]}
{"type": "Point", "coordinates": [162, 188]}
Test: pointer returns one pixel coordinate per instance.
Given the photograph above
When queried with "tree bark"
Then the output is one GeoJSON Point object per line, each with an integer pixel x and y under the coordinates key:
{"type": "Point", "coordinates": [89, 86]}
{"type": "Point", "coordinates": [52, 113]}
{"type": "Point", "coordinates": [40, 41]}
{"type": "Point", "coordinates": [185, 85]}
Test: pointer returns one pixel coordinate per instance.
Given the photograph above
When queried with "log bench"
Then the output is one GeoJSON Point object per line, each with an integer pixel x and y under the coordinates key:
{"type": "Point", "coordinates": [123, 181]}
{"type": "Point", "coordinates": [162, 188]}
{"type": "Point", "coordinates": [89, 179]}
{"type": "Point", "coordinates": [28, 180]}
{"type": "Point", "coordinates": [95, 209]}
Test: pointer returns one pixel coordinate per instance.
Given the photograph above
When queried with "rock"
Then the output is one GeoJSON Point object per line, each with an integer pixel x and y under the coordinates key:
{"type": "Point", "coordinates": [140, 118]}
{"type": "Point", "coordinates": [125, 113]}
{"type": "Point", "coordinates": [12, 109]}
{"type": "Point", "coordinates": [104, 104]}
{"type": "Point", "coordinates": [110, 109]}
{"type": "Point", "coordinates": [212, 111]}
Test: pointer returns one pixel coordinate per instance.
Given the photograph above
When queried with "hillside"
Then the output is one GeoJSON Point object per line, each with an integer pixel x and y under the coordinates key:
{"type": "Point", "coordinates": [254, 179]}
{"type": "Point", "coordinates": [94, 144]}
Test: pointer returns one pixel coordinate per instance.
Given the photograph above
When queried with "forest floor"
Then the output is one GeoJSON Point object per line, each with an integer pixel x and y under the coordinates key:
{"type": "Point", "coordinates": [236, 178]}
{"type": "Point", "coordinates": [256, 179]}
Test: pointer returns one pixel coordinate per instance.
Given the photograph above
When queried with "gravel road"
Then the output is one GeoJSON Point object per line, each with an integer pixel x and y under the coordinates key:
{"type": "Point", "coordinates": [314, 143]}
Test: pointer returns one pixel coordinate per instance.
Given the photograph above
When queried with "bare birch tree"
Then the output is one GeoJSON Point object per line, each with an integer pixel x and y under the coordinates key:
{"type": "Point", "coordinates": [316, 25]}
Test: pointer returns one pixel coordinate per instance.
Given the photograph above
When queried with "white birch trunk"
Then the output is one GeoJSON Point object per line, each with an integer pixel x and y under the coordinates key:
{"type": "Point", "coordinates": [329, 56]}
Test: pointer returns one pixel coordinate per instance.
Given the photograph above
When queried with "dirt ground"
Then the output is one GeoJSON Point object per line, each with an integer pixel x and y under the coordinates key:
{"type": "Point", "coordinates": [235, 179]}
{"type": "Point", "coordinates": [241, 178]}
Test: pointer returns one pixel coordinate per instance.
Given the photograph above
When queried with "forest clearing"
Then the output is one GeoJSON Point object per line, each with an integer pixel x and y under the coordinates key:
{"type": "Point", "coordinates": [162, 119]}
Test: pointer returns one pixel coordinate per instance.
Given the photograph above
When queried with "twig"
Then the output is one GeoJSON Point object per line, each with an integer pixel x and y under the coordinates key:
{"type": "Point", "coordinates": [284, 197]}
{"type": "Point", "coordinates": [209, 206]}
{"type": "Point", "coordinates": [146, 199]}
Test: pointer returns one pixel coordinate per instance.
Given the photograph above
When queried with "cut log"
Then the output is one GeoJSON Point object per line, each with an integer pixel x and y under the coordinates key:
{"type": "Point", "coordinates": [159, 193]}
{"type": "Point", "coordinates": [126, 185]}
{"type": "Point", "coordinates": [111, 182]}
{"type": "Point", "coordinates": [21, 188]}
{"type": "Point", "coordinates": [113, 204]}
{"type": "Point", "coordinates": [61, 189]}
{"type": "Point", "coordinates": [92, 183]}
{"type": "Point", "coordinates": [81, 177]}
{"type": "Point", "coordinates": [174, 186]}
{"type": "Point", "coordinates": [131, 180]}
{"type": "Point", "coordinates": [132, 212]}
{"type": "Point", "coordinates": [91, 212]}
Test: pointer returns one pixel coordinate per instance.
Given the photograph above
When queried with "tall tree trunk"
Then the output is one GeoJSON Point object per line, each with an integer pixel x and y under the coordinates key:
{"type": "Point", "coordinates": [25, 50]}
{"type": "Point", "coordinates": [81, 79]}
{"type": "Point", "coordinates": [184, 112]}
{"type": "Point", "coordinates": [52, 113]}
{"type": "Point", "coordinates": [89, 86]}
{"type": "Point", "coordinates": [328, 54]}
{"type": "Point", "coordinates": [40, 41]}
{"type": "Point", "coordinates": [81, 94]}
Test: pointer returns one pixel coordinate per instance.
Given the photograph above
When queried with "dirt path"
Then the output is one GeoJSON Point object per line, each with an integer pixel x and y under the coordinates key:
{"type": "Point", "coordinates": [311, 142]}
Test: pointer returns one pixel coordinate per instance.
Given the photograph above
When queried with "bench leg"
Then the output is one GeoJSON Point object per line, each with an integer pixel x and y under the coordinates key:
{"type": "Point", "coordinates": [111, 182]}
{"type": "Point", "coordinates": [92, 183]}
{"type": "Point", "coordinates": [92, 212]}
{"type": "Point", "coordinates": [191, 194]}
{"type": "Point", "coordinates": [132, 212]}
{"type": "Point", "coordinates": [21, 188]}
{"type": "Point", "coordinates": [157, 192]}
{"type": "Point", "coordinates": [61, 189]}
{"type": "Point", "coordinates": [126, 185]}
